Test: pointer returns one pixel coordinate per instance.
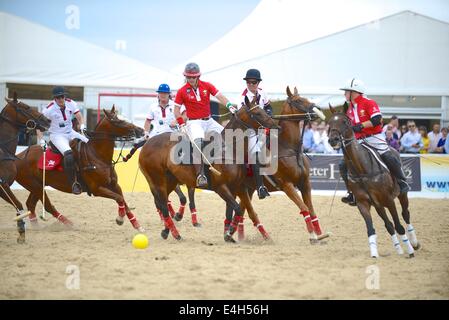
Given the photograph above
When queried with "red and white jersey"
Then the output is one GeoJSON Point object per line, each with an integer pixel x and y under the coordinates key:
{"type": "Point", "coordinates": [262, 97]}
{"type": "Point", "coordinates": [61, 118]}
{"type": "Point", "coordinates": [363, 110]}
{"type": "Point", "coordinates": [196, 102]}
{"type": "Point", "coordinates": [162, 117]}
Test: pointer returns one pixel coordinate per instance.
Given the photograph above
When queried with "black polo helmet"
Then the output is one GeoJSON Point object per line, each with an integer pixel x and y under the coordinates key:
{"type": "Point", "coordinates": [253, 74]}
{"type": "Point", "coordinates": [58, 91]}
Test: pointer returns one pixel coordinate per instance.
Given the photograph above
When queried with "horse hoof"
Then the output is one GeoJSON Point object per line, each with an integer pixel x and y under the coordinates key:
{"type": "Point", "coordinates": [411, 255]}
{"type": "Point", "coordinates": [314, 241]}
{"type": "Point", "coordinates": [228, 238]}
{"type": "Point", "coordinates": [164, 234]}
{"type": "Point", "coordinates": [179, 238]}
{"type": "Point", "coordinates": [198, 225]}
{"type": "Point", "coordinates": [417, 247]}
{"type": "Point", "coordinates": [119, 221]}
{"type": "Point", "coordinates": [21, 239]}
{"type": "Point", "coordinates": [178, 217]}
{"type": "Point", "coordinates": [141, 230]}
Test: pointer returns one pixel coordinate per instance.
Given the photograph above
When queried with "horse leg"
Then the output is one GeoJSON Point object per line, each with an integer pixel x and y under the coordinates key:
{"type": "Point", "coordinates": [8, 196]}
{"type": "Point", "coordinates": [124, 209]}
{"type": "Point", "coordinates": [241, 226]}
{"type": "Point", "coordinates": [160, 200]}
{"type": "Point", "coordinates": [224, 192]}
{"type": "Point", "coordinates": [228, 219]}
{"type": "Point", "coordinates": [31, 206]}
{"type": "Point", "coordinates": [192, 207]}
{"type": "Point", "coordinates": [400, 230]}
{"type": "Point", "coordinates": [306, 192]}
{"type": "Point", "coordinates": [403, 199]}
{"type": "Point", "coordinates": [364, 208]}
{"type": "Point", "coordinates": [254, 217]}
{"type": "Point", "coordinates": [37, 192]}
{"type": "Point", "coordinates": [182, 200]}
{"type": "Point", "coordinates": [390, 228]}
{"type": "Point", "coordinates": [116, 195]}
{"type": "Point", "coordinates": [290, 191]}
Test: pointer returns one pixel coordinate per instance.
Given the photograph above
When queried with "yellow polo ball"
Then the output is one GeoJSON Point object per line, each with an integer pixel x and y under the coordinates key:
{"type": "Point", "coordinates": [140, 241]}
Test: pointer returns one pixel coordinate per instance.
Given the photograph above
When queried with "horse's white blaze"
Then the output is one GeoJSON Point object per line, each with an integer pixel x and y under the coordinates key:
{"type": "Point", "coordinates": [397, 244]}
{"type": "Point", "coordinates": [372, 240]}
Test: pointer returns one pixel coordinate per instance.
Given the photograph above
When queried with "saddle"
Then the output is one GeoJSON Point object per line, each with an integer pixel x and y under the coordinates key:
{"type": "Point", "coordinates": [54, 161]}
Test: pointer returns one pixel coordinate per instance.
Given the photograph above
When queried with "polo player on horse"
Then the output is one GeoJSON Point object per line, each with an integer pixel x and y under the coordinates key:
{"type": "Point", "coordinates": [366, 120]}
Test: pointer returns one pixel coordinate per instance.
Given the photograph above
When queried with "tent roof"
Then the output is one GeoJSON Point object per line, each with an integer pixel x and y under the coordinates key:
{"type": "Point", "coordinates": [31, 53]}
{"type": "Point", "coordinates": [280, 24]}
{"type": "Point", "coordinates": [402, 54]}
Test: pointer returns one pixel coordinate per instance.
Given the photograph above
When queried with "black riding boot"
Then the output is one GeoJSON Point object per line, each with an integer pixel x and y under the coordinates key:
{"type": "Point", "coordinates": [262, 191]}
{"type": "Point", "coordinates": [201, 180]}
{"type": "Point", "coordinates": [349, 198]}
{"type": "Point", "coordinates": [395, 167]}
{"type": "Point", "coordinates": [69, 169]}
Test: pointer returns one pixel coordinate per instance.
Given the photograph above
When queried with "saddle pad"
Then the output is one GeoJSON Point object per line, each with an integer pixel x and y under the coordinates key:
{"type": "Point", "coordinates": [53, 161]}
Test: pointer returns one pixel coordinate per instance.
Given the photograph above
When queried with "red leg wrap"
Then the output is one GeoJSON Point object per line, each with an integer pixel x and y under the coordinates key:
{"type": "Point", "coordinates": [170, 209]}
{"type": "Point", "coordinates": [308, 220]}
{"type": "Point", "coordinates": [316, 226]}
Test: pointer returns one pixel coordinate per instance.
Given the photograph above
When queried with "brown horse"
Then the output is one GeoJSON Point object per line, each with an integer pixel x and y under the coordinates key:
{"type": "Point", "coordinates": [372, 185]}
{"type": "Point", "coordinates": [163, 174]}
{"type": "Point", "coordinates": [293, 166]}
{"type": "Point", "coordinates": [95, 165]}
{"type": "Point", "coordinates": [15, 116]}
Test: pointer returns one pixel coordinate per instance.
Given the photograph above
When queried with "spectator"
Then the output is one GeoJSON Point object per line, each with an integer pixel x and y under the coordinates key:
{"type": "Point", "coordinates": [446, 146]}
{"type": "Point", "coordinates": [394, 126]}
{"type": "Point", "coordinates": [308, 141]}
{"type": "Point", "coordinates": [425, 139]}
{"type": "Point", "coordinates": [411, 141]}
{"type": "Point", "coordinates": [434, 137]}
{"type": "Point", "coordinates": [391, 140]}
{"type": "Point", "coordinates": [321, 140]}
{"type": "Point", "coordinates": [442, 142]}
{"type": "Point", "coordinates": [403, 130]}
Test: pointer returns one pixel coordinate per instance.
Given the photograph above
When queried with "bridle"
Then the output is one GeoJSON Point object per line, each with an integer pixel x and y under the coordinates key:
{"type": "Point", "coordinates": [345, 142]}
{"type": "Point", "coordinates": [32, 121]}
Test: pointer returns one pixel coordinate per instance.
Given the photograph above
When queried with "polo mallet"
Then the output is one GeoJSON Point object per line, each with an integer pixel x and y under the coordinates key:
{"type": "Point", "coordinates": [42, 215]}
{"type": "Point", "coordinates": [211, 168]}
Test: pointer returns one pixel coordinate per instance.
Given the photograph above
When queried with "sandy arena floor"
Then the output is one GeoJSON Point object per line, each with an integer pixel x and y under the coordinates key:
{"type": "Point", "coordinates": [202, 266]}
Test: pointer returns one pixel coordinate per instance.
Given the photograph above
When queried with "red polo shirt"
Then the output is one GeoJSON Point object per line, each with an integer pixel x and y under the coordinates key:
{"type": "Point", "coordinates": [197, 102]}
{"type": "Point", "coordinates": [363, 110]}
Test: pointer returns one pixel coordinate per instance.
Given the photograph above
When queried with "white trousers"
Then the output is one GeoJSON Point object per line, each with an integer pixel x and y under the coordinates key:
{"type": "Point", "coordinates": [378, 142]}
{"type": "Point", "coordinates": [198, 128]}
{"type": "Point", "coordinates": [62, 140]}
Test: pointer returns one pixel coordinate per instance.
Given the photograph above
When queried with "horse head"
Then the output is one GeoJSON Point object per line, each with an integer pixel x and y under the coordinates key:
{"type": "Point", "coordinates": [114, 126]}
{"type": "Point", "coordinates": [22, 115]}
{"type": "Point", "coordinates": [254, 116]}
{"type": "Point", "coordinates": [340, 129]}
{"type": "Point", "coordinates": [295, 104]}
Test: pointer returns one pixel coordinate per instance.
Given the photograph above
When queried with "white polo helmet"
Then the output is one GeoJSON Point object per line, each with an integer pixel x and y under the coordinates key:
{"type": "Point", "coordinates": [356, 85]}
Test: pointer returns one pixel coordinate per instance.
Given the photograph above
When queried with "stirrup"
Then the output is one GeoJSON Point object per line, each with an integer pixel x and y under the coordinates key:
{"type": "Point", "coordinates": [76, 188]}
{"type": "Point", "coordinates": [349, 199]}
{"type": "Point", "coordinates": [262, 192]}
{"type": "Point", "coordinates": [201, 181]}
